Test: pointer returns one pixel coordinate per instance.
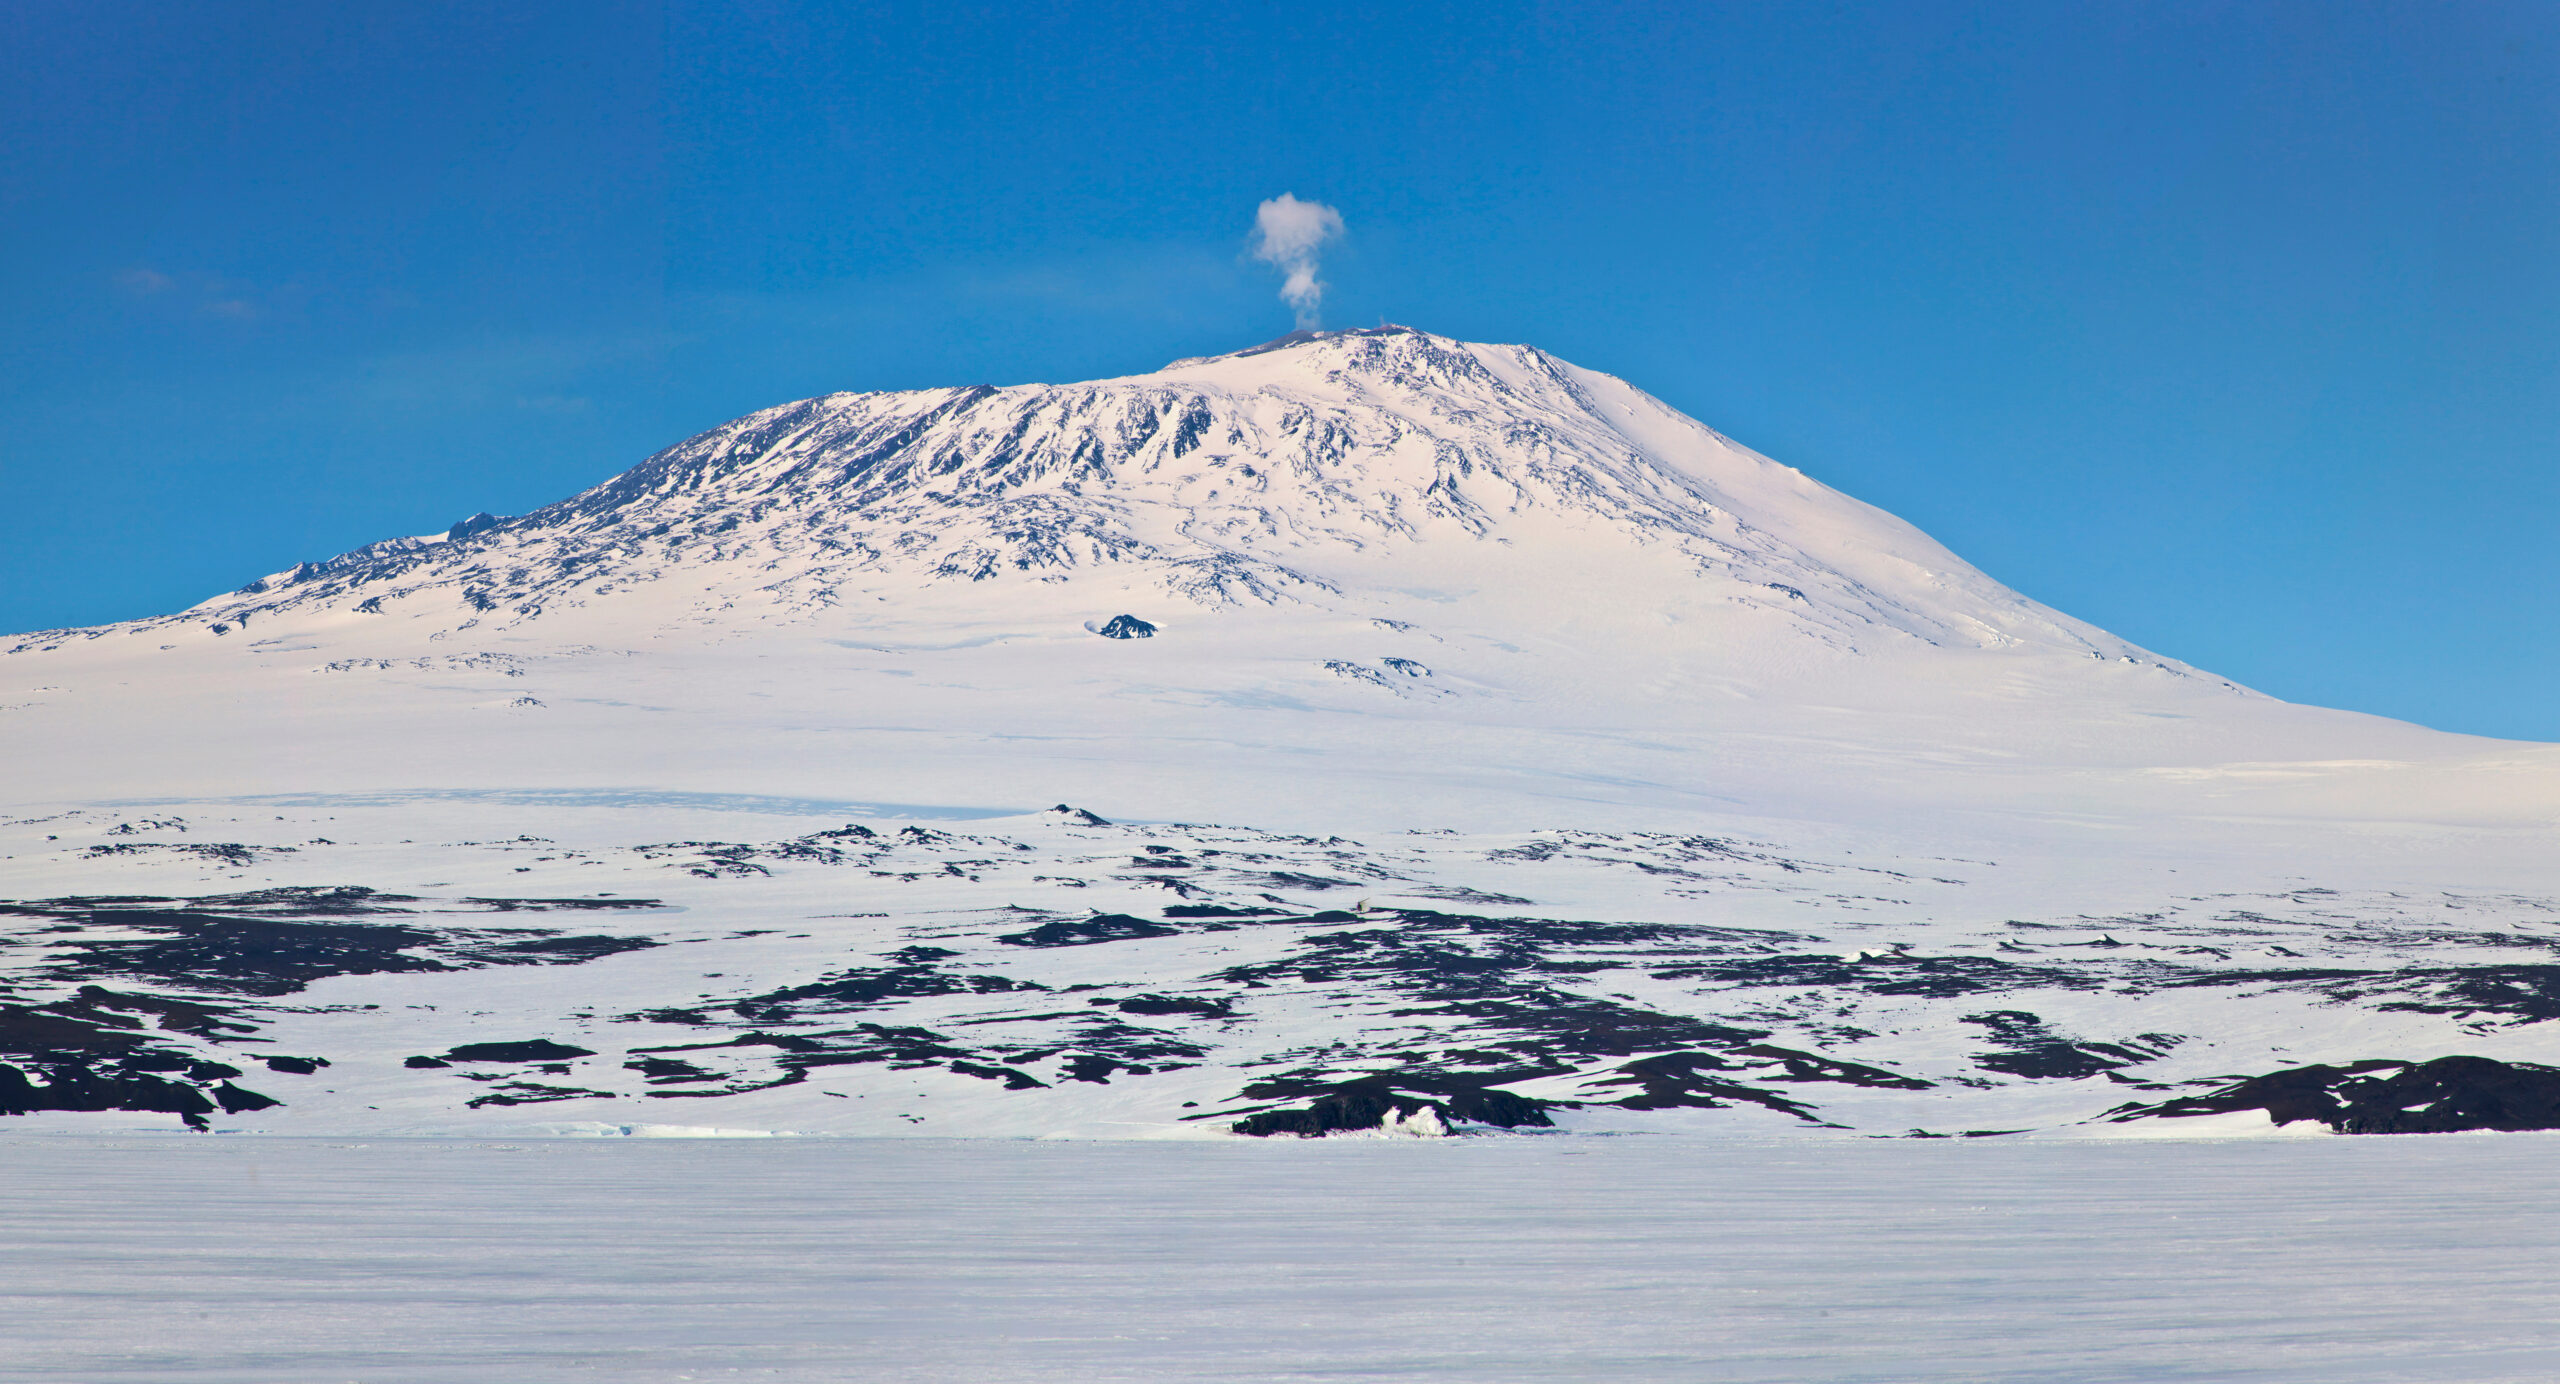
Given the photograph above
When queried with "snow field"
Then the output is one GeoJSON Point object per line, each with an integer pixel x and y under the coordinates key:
{"type": "Point", "coordinates": [281, 1260]}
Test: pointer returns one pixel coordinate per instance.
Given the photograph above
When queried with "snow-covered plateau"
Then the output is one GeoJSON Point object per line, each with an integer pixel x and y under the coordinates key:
{"type": "Point", "coordinates": [1365, 733]}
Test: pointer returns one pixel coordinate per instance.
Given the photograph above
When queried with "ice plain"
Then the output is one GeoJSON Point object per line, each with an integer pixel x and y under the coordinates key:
{"type": "Point", "coordinates": [261, 1261]}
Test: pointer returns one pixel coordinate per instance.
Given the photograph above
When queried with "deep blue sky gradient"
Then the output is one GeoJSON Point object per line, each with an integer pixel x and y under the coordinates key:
{"type": "Point", "coordinates": [2232, 328]}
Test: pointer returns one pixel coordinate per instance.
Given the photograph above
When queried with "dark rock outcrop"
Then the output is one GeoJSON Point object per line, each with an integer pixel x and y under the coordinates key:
{"type": "Point", "coordinates": [1369, 1102]}
{"type": "Point", "coordinates": [2386, 1096]}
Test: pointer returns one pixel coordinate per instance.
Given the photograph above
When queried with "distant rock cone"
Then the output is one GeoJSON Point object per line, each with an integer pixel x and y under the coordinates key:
{"type": "Point", "coordinates": [1127, 627]}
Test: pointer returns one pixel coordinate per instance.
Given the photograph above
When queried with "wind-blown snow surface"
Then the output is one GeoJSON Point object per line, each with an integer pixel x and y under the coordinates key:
{"type": "Point", "coordinates": [1559, 759]}
{"type": "Point", "coordinates": [263, 1261]}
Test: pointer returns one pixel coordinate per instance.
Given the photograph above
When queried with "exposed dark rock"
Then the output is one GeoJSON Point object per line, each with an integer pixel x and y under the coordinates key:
{"type": "Point", "coordinates": [477, 524]}
{"type": "Point", "coordinates": [1933, 977]}
{"type": "Point", "coordinates": [229, 853]}
{"type": "Point", "coordinates": [1127, 627]}
{"type": "Point", "coordinates": [1078, 932]}
{"type": "Point", "coordinates": [1808, 1066]}
{"type": "Point", "coordinates": [109, 1090]}
{"type": "Point", "coordinates": [798, 1054]}
{"type": "Point", "coordinates": [662, 1070]}
{"type": "Point", "coordinates": [1170, 1004]}
{"type": "Point", "coordinates": [529, 1050]}
{"type": "Point", "coordinates": [1368, 1102]}
{"type": "Point", "coordinates": [1093, 1067]}
{"type": "Point", "coordinates": [2031, 1050]}
{"type": "Point", "coordinates": [234, 1099]}
{"type": "Point", "coordinates": [533, 1093]}
{"type": "Point", "coordinates": [1671, 1079]}
{"type": "Point", "coordinates": [92, 1052]}
{"type": "Point", "coordinates": [850, 990]}
{"type": "Point", "coordinates": [274, 942]}
{"type": "Point", "coordinates": [2386, 1096]}
{"type": "Point", "coordinates": [1013, 1080]}
{"type": "Point", "coordinates": [2518, 994]}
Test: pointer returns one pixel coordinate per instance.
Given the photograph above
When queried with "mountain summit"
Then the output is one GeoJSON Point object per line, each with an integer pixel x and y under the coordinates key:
{"type": "Point", "coordinates": [1244, 479]}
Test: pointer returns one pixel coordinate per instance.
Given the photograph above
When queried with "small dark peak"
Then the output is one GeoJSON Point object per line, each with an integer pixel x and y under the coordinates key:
{"type": "Point", "coordinates": [1083, 932]}
{"type": "Point", "coordinates": [422, 1061]}
{"type": "Point", "coordinates": [1127, 627]}
{"type": "Point", "coordinates": [848, 832]}
{"type": "Point", "coordinates": [531, 1050]}
{"type": "Point", "coordinates": [296, 1066]}
{"type": "Point", "coordinates": [1156, 1005]}
{"type": "Point", "coordinates": [477, 524]}
{"type": "Point", "coordinates": [235, 1099]}
{"type": "Point", "coordinates": [1078, 816]}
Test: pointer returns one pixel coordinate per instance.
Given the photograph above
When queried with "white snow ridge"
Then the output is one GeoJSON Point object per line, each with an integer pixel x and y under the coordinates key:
{"type": "Point", "coordinates": [1447, 740]}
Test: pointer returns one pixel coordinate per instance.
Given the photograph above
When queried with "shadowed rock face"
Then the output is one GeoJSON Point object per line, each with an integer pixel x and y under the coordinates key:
{"type": "Point", "coordinates": [1127, 627]}
{"type": "Point", "coordinates": [2448, 1095]}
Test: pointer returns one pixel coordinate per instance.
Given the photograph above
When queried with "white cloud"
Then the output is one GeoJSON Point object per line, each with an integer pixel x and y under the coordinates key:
{"type": "Point", "coordinates": [1287, 234]}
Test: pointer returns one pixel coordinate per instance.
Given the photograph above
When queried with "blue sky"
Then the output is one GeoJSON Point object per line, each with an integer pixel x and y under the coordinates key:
{"type": "Point", "coordinates": [2232, 328]}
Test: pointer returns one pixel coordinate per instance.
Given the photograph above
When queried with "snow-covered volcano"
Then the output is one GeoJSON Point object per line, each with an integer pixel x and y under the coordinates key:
{"type": "Point", "coordinates": [1478, 583]}
{"type": "Point", "coordinates": [1561, 751]}
{"type": "Point", "coordinates": [1267, 476]}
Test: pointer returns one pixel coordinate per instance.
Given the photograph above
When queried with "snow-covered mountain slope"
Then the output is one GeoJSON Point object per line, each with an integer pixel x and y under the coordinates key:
{"type": "Point", "coordinates": [1257, 478]}
{"type": "Point", "coordinates": [1484, 587]}
{"type": "Point", "coordinates": [1733, 786]}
